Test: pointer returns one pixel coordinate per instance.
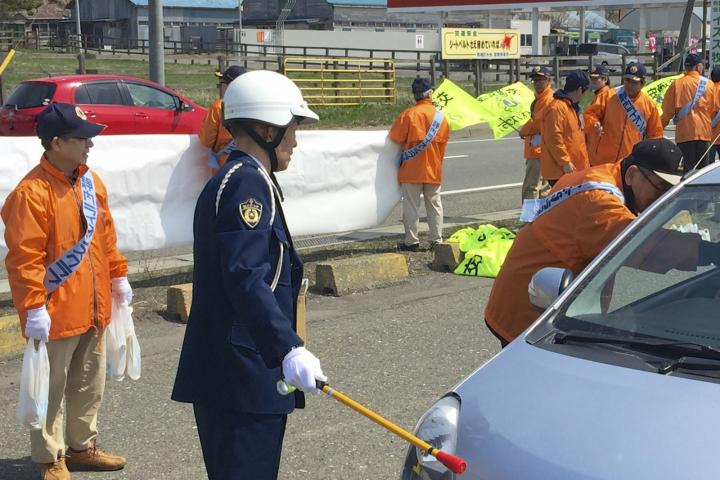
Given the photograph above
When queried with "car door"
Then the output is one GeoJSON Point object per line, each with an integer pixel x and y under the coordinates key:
{"type": "Point", "coordinates": [155, 110]}
{"type": "Point", "coordinates": [103, 102]}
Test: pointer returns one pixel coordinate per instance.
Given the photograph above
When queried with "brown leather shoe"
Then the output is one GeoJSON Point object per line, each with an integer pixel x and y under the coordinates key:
{"type": "Point", "coordinates": [93, 459]}
{"type": "Point", "coordinates": [55, 471]}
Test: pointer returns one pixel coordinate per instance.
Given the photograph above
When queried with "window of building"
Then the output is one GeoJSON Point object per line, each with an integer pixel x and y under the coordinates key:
{"type": "Point", "coordinates": [526, 40]}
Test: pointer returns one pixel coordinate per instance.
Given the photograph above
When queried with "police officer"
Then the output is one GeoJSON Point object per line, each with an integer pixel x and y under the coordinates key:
{"type": "Point", "coordinates": [240, 339]}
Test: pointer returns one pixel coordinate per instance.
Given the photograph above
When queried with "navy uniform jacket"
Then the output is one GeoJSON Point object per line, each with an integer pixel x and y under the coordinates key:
{"type": "Point", "coordinates": [239, 328]}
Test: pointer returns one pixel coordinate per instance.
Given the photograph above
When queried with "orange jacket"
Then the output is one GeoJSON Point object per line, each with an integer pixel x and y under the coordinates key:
{"type": "Point", "coordinates": [43, 220]}
{"type": "Point", "coordinates": [696, 125]}
{"type": "Point", "coordinates": [212, 133]}
{"type": "Point", "coordinates": [532, 126]}
{"type": "Point", "coordinates": [619, 134]}
{"type": "Point", "coordinates": [716, 130]}
{"type": "Point", "coordinates": [591, 137]}
{"type": "Point", "coordinates": [563, 139]}
{"type": "Point", "coordinates": [408, 130]}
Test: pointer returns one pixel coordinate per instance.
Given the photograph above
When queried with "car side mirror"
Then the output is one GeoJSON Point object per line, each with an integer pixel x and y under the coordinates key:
{"type": "Point", "coordinates": [547, 284]}
{"type": "Point", "coordinates": [184, 107]}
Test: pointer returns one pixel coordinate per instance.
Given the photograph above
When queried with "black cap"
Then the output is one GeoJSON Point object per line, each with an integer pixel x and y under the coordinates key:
{"type": "Point", "coordinates": [421, 85]}
{"type": "Point", "coordinates": [659, 155]}
{"type": "Point", "coordinates": [65, 120]}
{"type": "Point", "coordinates": [692, 59]}
{"type": "Point", "coordinates": [230, 73]}
{"type": "Point", "coordinates": [600, 71]}
{"type": "Point", "coordinates": [539, 71]}
{"type": "Point", "coordinates": [715, 74]}
{"type": "Point", "coordinates": [635, 71]}
{"type": "Point", "coordinates": [576, 79]}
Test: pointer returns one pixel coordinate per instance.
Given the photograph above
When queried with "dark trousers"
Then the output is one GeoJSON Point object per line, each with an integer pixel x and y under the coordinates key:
{"type": "Point", "coordinates": [713, 155]}
{"type": "Point", "coordinates": [692, 151]}
{"type": "Point", "coordinates": [238, 445]}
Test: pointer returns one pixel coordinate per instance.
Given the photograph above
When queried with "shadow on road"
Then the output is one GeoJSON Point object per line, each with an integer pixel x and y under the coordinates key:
{"type": "Point", "coordinates": [18, 468]}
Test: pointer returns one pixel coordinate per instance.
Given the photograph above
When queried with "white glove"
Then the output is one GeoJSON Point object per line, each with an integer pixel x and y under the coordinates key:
{"type": "Point", "coordinates": [121, 290]}
{"type": "Point", "coordinates": [301, 368]}
{"type": "Point", "coordinates": [37, 325]}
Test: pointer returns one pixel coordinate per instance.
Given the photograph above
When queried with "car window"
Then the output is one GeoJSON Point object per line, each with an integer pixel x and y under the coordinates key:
{"type": "Point", "coordinates": [100, 93]}
{"type": "Point", "coordinates": [654, 285]}
{"type": "Point", "coordinates": [31, 94]}
{"type": "Point", "coordinates": [146, 96]}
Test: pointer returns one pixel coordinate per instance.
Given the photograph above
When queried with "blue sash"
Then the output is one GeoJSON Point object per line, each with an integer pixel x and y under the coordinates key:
{"type": "Point", "coordinates": [635, 115]}
{"type": "Point", "coordinates": [715, 120]}
{"type": "Point", "coordinates": [535, 140]}
{"type": "Point", "coordinates": [63, 267]}
{"type": "Point", "coordinates": [534, 208]}
{"type": "Point", "coordinates": [215, 157]}
{"type": "Point", "coordinates": [432, 131]}
{"type": "Point", "coordinates": [699, 92]}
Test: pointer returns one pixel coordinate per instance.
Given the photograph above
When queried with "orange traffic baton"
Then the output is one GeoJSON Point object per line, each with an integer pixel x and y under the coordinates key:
{"type": "Point", "coordinates": [453, 463]}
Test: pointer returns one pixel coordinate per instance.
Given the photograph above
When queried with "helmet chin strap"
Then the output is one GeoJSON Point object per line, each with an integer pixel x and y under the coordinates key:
{"type": "Point", "coordinates": [269, 146]}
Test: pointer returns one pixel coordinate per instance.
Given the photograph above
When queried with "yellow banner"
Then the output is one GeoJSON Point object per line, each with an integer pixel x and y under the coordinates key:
{"type": "Point", "coordinates": [474, 43]}
{"type": "Point", "coordinates": [506, 109]}
{"type": "Point", "coordinates": [6, 61]}
{"type": "Point", "coordinates": [657, 89]}
{"type": "Point", "coordinates": [460, 108]}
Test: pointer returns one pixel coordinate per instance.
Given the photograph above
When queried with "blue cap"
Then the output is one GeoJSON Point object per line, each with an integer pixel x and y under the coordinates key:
{"type": "Point", "coordinates": [692, 59]}
{"type": "Point", "coordinates": [65, 120]}
{"type": "Point", "coordinates": [540, 71]}
{"type": "Point", "coordinates": [230, 73]}
{"type": "Point", "coordinates": [600, 71]}
{"type": "Point", "coordinates": [576, 79]}
{"type": "Point", "coordinates": [715, 74]}
{"type": "Point", "coordinates": [421, 85]}
{"type": "Point", "coordinates": [635, 71]}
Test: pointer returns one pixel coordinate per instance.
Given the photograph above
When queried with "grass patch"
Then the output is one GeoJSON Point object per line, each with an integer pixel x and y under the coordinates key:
{"type": "Point", "coordinates": [197, 82]}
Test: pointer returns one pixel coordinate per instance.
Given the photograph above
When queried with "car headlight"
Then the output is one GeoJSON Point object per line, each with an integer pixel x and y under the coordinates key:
{"type": "Point", "coordinates": [438, 427]}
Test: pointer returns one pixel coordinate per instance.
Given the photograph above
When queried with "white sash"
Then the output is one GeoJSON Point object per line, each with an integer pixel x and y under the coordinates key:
{"type": "Point", "coordinates": [432, 131]}
{"type": "Point", "coordinates": [534, 208]}
{"type": "Point", "coordinates": [635, 115]}
{"type": "Point", "coordinates": [699, 92]}
{"type": "Point", "coordinates": [63, 267]}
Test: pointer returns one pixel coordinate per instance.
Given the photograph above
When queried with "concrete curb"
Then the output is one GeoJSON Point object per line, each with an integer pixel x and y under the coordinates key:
{"type": "Point", "coordinates": [348, 275]}
{"type": "Point", "coordinates": [179, 298]}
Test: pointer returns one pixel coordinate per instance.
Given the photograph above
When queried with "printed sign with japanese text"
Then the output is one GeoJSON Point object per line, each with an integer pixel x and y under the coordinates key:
{"type": "Point", "coordinates": [475, 43]}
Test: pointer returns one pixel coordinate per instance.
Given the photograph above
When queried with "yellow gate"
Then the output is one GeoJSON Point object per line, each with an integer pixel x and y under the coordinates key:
{"type": "Point", "coordinates": [342, 81]}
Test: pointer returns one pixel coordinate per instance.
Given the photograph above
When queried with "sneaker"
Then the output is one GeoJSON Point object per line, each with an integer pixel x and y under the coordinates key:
{"type": "Point", "coordinates": [403, 247]}
{"type": "Point", "coordinates": [55, 471]}
{"type": "Point", "coordinates": [94, 459]}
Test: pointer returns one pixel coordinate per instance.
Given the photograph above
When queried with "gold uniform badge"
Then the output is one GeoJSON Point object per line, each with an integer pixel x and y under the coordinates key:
{"type": "Point", "coordinates": [251, 211]}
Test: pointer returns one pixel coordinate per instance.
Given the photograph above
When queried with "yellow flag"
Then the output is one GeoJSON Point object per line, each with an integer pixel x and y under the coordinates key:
{"type": "Point", "coordinates": [657, 89]}
{"type": "Point", "coordinates": [506, 109]}
{"type": "Point", "coordinates": [460, 108]}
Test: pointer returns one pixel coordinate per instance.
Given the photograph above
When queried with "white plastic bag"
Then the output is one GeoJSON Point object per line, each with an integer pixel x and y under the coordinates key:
{"type": "Point", "coordinates": [121, 343]}
{"type": "Point", "coordinates": [34, 386]}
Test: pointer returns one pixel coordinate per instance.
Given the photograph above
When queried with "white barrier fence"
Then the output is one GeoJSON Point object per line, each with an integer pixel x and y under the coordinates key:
{"type": "Point", "coordinates": [337, 181]}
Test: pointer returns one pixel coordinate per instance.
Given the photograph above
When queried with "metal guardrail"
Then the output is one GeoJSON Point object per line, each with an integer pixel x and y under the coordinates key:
{"type": "Point", "coordinates": [342, 81]}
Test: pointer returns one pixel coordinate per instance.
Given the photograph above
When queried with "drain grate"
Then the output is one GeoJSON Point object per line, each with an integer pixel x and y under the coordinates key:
{"type": "Point", "coordinates": [322, 241]}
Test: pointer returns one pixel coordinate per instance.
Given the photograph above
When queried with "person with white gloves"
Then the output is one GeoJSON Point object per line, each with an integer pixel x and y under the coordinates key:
{"type": "Point", "coordinates": [241, 339]}
{"type": "Point", "coordinates": [62, 263]}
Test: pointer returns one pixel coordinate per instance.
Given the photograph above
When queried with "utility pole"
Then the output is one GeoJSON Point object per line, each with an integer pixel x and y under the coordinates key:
{"type": "Point", "coordinates": [239, 40]}
{"type": "Point", "coordinates": [704, 29]}
{"type": "Point", "coordinates": [682, 40]}
{"type": "Point", "coordinates": [81, 55]}
{"type": "Point", "coordinates": [157, 42]}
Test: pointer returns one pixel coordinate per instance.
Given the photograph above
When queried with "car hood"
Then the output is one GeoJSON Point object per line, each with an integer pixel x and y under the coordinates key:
{"type": "Point", "coordinates": [535, 414]}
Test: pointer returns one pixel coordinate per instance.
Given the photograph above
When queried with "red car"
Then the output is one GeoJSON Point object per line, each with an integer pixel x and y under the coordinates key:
{"type": "Point", "coordinates": [127, 105]}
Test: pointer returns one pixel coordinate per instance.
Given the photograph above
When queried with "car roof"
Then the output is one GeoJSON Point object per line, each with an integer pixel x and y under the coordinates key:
{"type": "Point", "coordinates": [84, 78]}
{"type": "Point", "coordinates": [709, 175]}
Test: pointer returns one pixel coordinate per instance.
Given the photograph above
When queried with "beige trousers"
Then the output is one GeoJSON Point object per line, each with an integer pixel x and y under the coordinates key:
{"type": "Point", "coordinates": [77, 383]}
{"type": "Point", "coordinates": [411, 205]}
{"type": "Point", "coordinates": [534, 186]}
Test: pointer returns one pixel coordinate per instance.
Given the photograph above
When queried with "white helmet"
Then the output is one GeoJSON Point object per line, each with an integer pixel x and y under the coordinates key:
{"type": "Point", "coordinates": [266, 97]}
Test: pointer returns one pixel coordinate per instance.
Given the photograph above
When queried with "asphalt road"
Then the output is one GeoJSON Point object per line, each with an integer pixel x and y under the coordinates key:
{"type": "Point", "coordinates": [395, 349]}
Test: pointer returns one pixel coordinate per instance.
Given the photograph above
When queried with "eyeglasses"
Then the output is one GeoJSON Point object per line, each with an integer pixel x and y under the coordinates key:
{"type": "Point", "coordinates": [659, 188]}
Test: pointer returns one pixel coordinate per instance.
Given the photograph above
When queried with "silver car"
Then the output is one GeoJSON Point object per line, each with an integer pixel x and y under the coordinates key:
{"type": "Point", "coordinates": [618, 378]}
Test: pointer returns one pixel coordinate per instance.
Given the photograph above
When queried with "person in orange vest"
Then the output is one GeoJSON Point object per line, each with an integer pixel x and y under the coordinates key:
{"type": "Point", "coordinates": [534, 186]}
{"type": "Point", "coordinates": [626, 117]}
{"type": "Point", "coordinates": [600, 85]}
{"type": "Point", "coordinates": [562, 137]}
{"type": "Point", "coordinates": [423, 132]}
{"type": "Point", "coordinates": [569, 229]}
{"type": "Point", "coordinates": [715, 124]}
{"type": "Point", "coordinates": [212, 133]}
{"type": "Point", "coordinates": [65, 271]}
{"type": "Point", "coordinates": [690, 102]}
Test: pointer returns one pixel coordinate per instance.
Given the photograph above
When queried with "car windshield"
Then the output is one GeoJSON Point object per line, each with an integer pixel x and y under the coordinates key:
{"type": "Point", "coordinates": [652, 286]}
{"type": "Point", "coordinates": [31, 94]}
